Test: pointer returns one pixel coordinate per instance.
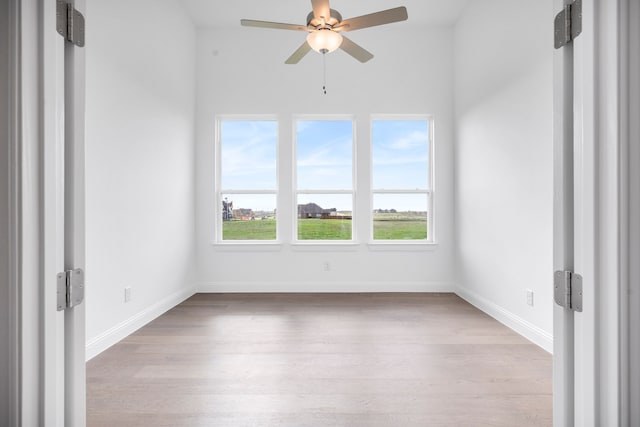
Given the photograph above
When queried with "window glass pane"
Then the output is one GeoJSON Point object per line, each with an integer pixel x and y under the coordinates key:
{"type": "Point", "coordinates": [400, 216]}
{"type": "Point", "coordinates": [400, 154]}
{"type": "Point", "coordinates": [325, 216]}
{"type": "Point", "coordinates": [248, 154]}
{"type": "Point", "coordinates": [324, 154]}
{"type": "Point", "coordinates": [248, 216]}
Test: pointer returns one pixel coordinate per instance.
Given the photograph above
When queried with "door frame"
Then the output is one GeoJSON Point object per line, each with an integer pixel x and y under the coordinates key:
{"type": "Point", "coordinates": [34, 383]}
{"type": "Point", "coordinates": [629, 104]}
{"type": "Point", "coordinates": [9, 216]}
{"type": "Point", "coordinates": [603, 368]}
{"type": "Point", "coordinates": [604, 235]}
{"type": "Point", "coordinates": [46, 364]}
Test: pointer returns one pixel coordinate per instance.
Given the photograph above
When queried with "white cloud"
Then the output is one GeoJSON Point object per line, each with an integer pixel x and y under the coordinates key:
{"type": "Point", "coordinates": [416, 139]}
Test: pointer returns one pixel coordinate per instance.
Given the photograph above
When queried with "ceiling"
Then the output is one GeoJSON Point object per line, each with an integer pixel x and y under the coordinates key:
{"type": "Point", "coordinates": [225, 13]}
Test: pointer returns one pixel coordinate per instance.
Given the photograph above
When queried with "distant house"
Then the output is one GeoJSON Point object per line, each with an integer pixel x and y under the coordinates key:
{"type": "Point", "coordinates": [312, 210]}
{"type": "Point", "coordinates": [243, 214]}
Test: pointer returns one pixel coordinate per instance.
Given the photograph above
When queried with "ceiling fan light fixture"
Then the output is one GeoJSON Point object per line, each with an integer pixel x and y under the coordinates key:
{"type": "Point", "coordinates": [324, 40]}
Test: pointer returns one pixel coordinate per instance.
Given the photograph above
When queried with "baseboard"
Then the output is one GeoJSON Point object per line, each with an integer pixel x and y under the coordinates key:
{"type": "Point", "coordinates": [110, 337]}
{"type": "Point", "coordinates": [526, 329]}
{"type": "Point", "coordinates": [302, 287]}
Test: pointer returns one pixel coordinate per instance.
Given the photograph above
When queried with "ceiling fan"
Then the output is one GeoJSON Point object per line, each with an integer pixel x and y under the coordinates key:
{"type": "Point", "coordinates": [324, 26]}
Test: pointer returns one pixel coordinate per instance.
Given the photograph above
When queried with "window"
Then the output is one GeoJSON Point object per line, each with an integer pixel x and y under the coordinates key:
{"type": "Point", "coordinates": [324, 179]}
{"type": "Point", "coordinates": [318, 187]}
{"type": "Point", "coordinates": [247, 179]}
{"type": "Point", "coordinates": [401, 179]}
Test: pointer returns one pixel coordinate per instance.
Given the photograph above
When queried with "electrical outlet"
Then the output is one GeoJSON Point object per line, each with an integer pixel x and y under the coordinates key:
{"type": "Point", "coordinates": [127, 294]}
{"type": "Point", "coordinates": [326, 266]}
{"type": "Point", "coordinates": [530, 297]}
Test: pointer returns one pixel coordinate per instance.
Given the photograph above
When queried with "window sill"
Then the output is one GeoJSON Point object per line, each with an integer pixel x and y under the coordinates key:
{"type": "Point", "coordinates": [398, 245]}
{"type": "Point", "coordinates": [247, 246]}
{"type": "Point", "coordinates": [332, 246]}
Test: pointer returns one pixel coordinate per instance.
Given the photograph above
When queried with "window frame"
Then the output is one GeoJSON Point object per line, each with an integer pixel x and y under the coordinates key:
{"type": "Point", "coordinates": [294, 181]}
{"type": "Point", "coordinates": [429, 192]}
{"type": "Point", "coordinates": [219, 191]}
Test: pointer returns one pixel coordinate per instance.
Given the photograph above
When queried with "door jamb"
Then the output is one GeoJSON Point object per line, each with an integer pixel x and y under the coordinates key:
{"type": "Point", "coordinates": [10, 218]}
{"type": "Point", "coordinates": [602, 368]}
{"type": "Point", "coordinates": [629, 158]}
{"type": "Point", "coordinates": [35, 407]}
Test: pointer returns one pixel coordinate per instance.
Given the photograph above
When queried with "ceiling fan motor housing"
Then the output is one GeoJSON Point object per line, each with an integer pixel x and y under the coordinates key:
{"type": "Point", "coordinates": [333, 20]}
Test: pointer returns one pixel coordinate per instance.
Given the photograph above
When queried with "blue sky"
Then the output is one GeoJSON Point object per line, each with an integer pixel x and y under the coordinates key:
{"type": "Point", "coordinates": [400, 154]}
{"type": "Point", "coordinates": [249, 150]}
{"type": "Point", "coordinates": [324, 151]}
{"type": "Point", "coordinates": [324, 161]}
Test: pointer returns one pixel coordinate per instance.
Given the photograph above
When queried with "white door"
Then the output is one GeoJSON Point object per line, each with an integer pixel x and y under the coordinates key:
{"type": "Point", "coordinates": [563, 224]}
{"type": "Point", "coordinates": [63, 234]}
{"type": "Point", "coordinates": [572, 239]}
{"type": "Point", "coordinates": [74, 226]}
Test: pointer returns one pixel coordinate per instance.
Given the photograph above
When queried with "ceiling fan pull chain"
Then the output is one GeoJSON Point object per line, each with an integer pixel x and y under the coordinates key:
{"type": "Point", "coordinates": [324, 73]}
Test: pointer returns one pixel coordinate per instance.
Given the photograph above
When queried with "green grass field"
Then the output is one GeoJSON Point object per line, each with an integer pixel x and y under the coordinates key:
{"type": "Point", "coordinates": [249, 230]}
{"type": "Point", "coordinates": [399, 229]}
{"type": "Point", "coordinates": [324, 229]}
{"type": "Point", "coordinates": [399, 226]}
{"type": "Point", "coordinates": [385, 227]}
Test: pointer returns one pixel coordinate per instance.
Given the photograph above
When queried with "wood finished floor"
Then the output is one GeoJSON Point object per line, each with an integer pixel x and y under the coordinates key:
{"type": "Point", "coordinates": [321, 360]}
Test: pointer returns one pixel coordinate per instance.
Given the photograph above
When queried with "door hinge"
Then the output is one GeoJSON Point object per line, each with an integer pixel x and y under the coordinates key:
{"type": "Point", "coordinates": [568, 24]}
{"type": "Point", "coordinates": [70, 288]}
{"type": "Point", "coordinates": [567, 290]}
{"type": "Point", "coordinates": [69, 23]}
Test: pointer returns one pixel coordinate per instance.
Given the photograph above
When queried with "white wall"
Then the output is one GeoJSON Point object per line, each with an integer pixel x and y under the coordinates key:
{"type": "Point", "coordinates": [242, 70]}
{"type": "Point", "coordinates": [140, 163]}
{"type": "Point", "coordinates": [503, 162]}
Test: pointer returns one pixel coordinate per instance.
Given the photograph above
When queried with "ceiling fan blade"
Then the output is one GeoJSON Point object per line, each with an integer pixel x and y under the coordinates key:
{"type": "Point", "coordinates": [355, 50]}
{"type": "Point", "coordinates": [321, 9]}
{"type": "Point", "coordinates": [275, 25]}
{"type": "Point", "coordinates": [298, 54]}
{"type": "Point", "coordinates": [371, 20]}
